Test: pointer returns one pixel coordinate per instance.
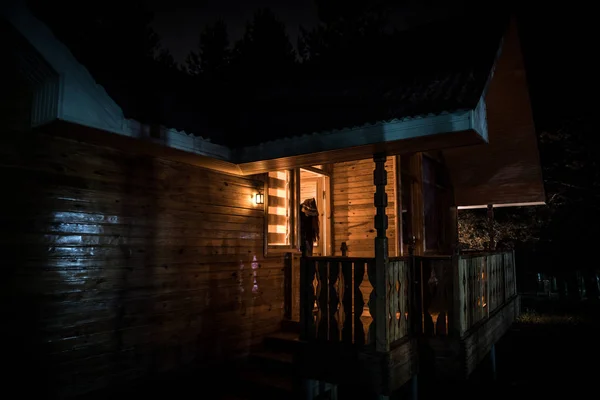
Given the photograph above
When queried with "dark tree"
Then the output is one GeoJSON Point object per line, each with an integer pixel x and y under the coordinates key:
{"type": "Point", "coordinates": [116, 43]}
{"type": "Point", "coordinates": [265, 51]}
{"type": "Point", "coordinates": [107, 36]}
{"type": "Point", "coordinates": [214, 53]}
{"type": "Point", "coordinates": [350, 38]}
{"type": "Point", "coordinates": [331, 11]}
{"type": "Point", "coordinates": [165, 58]}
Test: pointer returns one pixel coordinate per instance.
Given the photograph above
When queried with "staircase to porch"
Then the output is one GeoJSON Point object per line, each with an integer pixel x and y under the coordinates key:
{"type": "Point", "coordinates": [269, 371]}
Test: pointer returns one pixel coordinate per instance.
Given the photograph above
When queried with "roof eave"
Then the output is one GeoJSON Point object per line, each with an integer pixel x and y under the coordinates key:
{"type": "Point", "coordinates": [369, 135]}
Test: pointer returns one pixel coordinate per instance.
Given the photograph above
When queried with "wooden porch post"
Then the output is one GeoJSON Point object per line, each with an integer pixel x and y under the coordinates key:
{"type": "Point", "coordinates": [381, 310]}
{"type": "Point", "coordinates": [492, 238]}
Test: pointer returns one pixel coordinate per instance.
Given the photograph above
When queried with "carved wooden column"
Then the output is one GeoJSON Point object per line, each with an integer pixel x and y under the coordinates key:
{"type": "Point", "coordinates": [379, 294]}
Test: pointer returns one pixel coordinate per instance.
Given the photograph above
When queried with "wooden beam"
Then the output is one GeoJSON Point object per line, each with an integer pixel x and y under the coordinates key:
{"type": "Point", "coordinates": [398, 206]}
{"type": "Point", "coordinates": [317, 171]}
{"type": "Point", "coordinates": [379, 294]}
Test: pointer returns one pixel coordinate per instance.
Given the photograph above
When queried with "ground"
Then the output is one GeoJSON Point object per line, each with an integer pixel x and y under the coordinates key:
{"type": "Point", "coordinates": [551, 352]}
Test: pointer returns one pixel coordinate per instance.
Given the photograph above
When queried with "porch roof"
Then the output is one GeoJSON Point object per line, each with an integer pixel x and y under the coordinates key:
{"type": "Point", "coordinates": [432, 97]}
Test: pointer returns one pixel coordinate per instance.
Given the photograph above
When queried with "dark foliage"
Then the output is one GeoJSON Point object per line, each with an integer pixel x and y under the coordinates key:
{"type": "Point", "coordinates": [213, 55]}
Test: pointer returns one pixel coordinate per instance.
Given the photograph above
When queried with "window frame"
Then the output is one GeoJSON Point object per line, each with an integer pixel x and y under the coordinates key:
{"type": "Point", "coordinates": [294, 214]}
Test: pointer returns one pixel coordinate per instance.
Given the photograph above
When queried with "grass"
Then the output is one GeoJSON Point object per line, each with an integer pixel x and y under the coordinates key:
{"type": "Point", "coordinates": [551, 351]}
{"type": "Point", "coordinates": [531, 316]}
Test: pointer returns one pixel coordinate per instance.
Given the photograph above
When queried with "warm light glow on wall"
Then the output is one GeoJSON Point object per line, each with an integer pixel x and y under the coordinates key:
{"type": "Point", "coordinates": [278, 208]}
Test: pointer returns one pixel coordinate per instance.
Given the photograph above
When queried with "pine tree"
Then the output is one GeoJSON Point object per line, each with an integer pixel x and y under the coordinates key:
{"type": "Point", "coordinates": [213, 55]}
{"type": "Point", "coordinates": [265, 50]}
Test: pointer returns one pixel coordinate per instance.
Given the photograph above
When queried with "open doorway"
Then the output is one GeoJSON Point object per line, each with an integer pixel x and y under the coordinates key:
{"type": "Point", "coordinates": [314, 183]}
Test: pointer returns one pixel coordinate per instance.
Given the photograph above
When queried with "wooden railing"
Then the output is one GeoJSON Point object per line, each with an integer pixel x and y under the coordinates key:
{"type": "Point", "coordinates": [485, 282]}
{"type": "Point", "coordinates": [423, 295]}
{"type": "Point", "coordinates": [334, 292]}
{"type": "Point", "coordinates": [339, 297]}
{"type": "Point", "coordinates": [456, 292]}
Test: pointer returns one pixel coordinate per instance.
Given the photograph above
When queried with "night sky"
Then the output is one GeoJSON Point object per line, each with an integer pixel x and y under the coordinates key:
{"type": "Point", "coordinates": [178, 23]}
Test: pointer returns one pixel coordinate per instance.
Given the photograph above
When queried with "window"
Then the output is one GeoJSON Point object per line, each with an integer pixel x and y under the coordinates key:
{"type": "Point", "coordinates": [279, 207]}
{"type": "Point", "coordinates": [406, 192]}
{"type": "Point", "coordinates": [435, 204]}
{"type": "Point", "coordinates": [285, 191]}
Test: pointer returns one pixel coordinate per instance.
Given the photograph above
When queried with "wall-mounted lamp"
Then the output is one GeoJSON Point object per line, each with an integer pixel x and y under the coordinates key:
{"type": "Point", "coordinates": [259, 198]}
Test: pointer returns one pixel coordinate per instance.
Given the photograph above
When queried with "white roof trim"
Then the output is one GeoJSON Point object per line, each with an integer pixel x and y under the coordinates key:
{"type": "Point", "coordinates": [532, 203]}
{"type": "Point", "coordinates": [406, 128]}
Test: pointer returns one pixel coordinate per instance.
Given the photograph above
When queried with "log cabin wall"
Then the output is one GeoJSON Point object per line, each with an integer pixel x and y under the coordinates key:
{"type": "Point", "coordinates": [118, 266]}
{"type": "Point", "coordinates": [507, 170]}
{"type": "Point", "coordinates": [354, 209]}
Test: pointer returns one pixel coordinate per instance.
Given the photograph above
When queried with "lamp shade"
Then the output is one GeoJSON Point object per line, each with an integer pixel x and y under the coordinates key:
{"type": "Point", "coordinates": [259, 198]}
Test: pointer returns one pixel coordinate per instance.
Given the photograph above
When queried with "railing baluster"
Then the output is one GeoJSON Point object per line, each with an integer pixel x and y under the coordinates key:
{"type": "Point", "coordinates": [307, 298]}
{"type": "Point", "coordinates": [372, 305]}
{"type": "Point", "coordinates": [347, 301]}
{"type": "Point", "coordinates": [323, 299]}
{"type": "Point", "coordinates": [334, 272]}
{"type": "Point", "coordinates": [359, 272]}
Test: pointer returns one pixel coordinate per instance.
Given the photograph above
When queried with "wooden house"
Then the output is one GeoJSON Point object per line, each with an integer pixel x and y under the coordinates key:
{"type": "Point", "coordinates": [129, 252]}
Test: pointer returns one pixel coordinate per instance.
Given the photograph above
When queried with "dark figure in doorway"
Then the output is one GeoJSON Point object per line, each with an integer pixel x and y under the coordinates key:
{"type": "Point", "coordinates": [309, 226]}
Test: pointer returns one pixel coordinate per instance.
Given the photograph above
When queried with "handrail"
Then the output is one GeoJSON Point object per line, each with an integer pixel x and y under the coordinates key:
{"type": "Point", "coordinates": [423, 295]}
{"type": "Point", "coordinates": [338, 258]}
{"type": "Point", "coordinates": [483, 253]}
{"type": "Point", "coordinates": [399, 258]}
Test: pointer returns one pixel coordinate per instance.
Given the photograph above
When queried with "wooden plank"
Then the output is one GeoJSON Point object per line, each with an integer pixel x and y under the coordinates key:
{"type": "Point", "coordinates": [347, 304]}
{"type": "Point", "coordinates": [403, 364]}
{"type": "Point", "coordinates": [354, 212]}
{"type": "Point", "coordinates": [477, 343]}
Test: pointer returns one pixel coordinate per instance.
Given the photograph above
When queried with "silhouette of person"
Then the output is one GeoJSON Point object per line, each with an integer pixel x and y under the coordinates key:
{"type": "Point", "coordinates": [309, 226]}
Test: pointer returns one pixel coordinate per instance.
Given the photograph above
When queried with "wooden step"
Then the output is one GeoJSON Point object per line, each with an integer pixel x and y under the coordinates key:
{"type": "Point", "coordinates": [272, 360]}
{"type": "Point", "coordinates": [258, 383]}
{"type": "Point", "coordinates": [290, 326]}
{"type": "Point", "coordinates": [283, 342]}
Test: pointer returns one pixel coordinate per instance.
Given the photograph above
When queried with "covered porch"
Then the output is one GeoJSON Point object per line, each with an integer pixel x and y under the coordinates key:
{"type": "Point", "coordinates": [442, 314]}
{"type": "Point", "coordinates": [386, 280]}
